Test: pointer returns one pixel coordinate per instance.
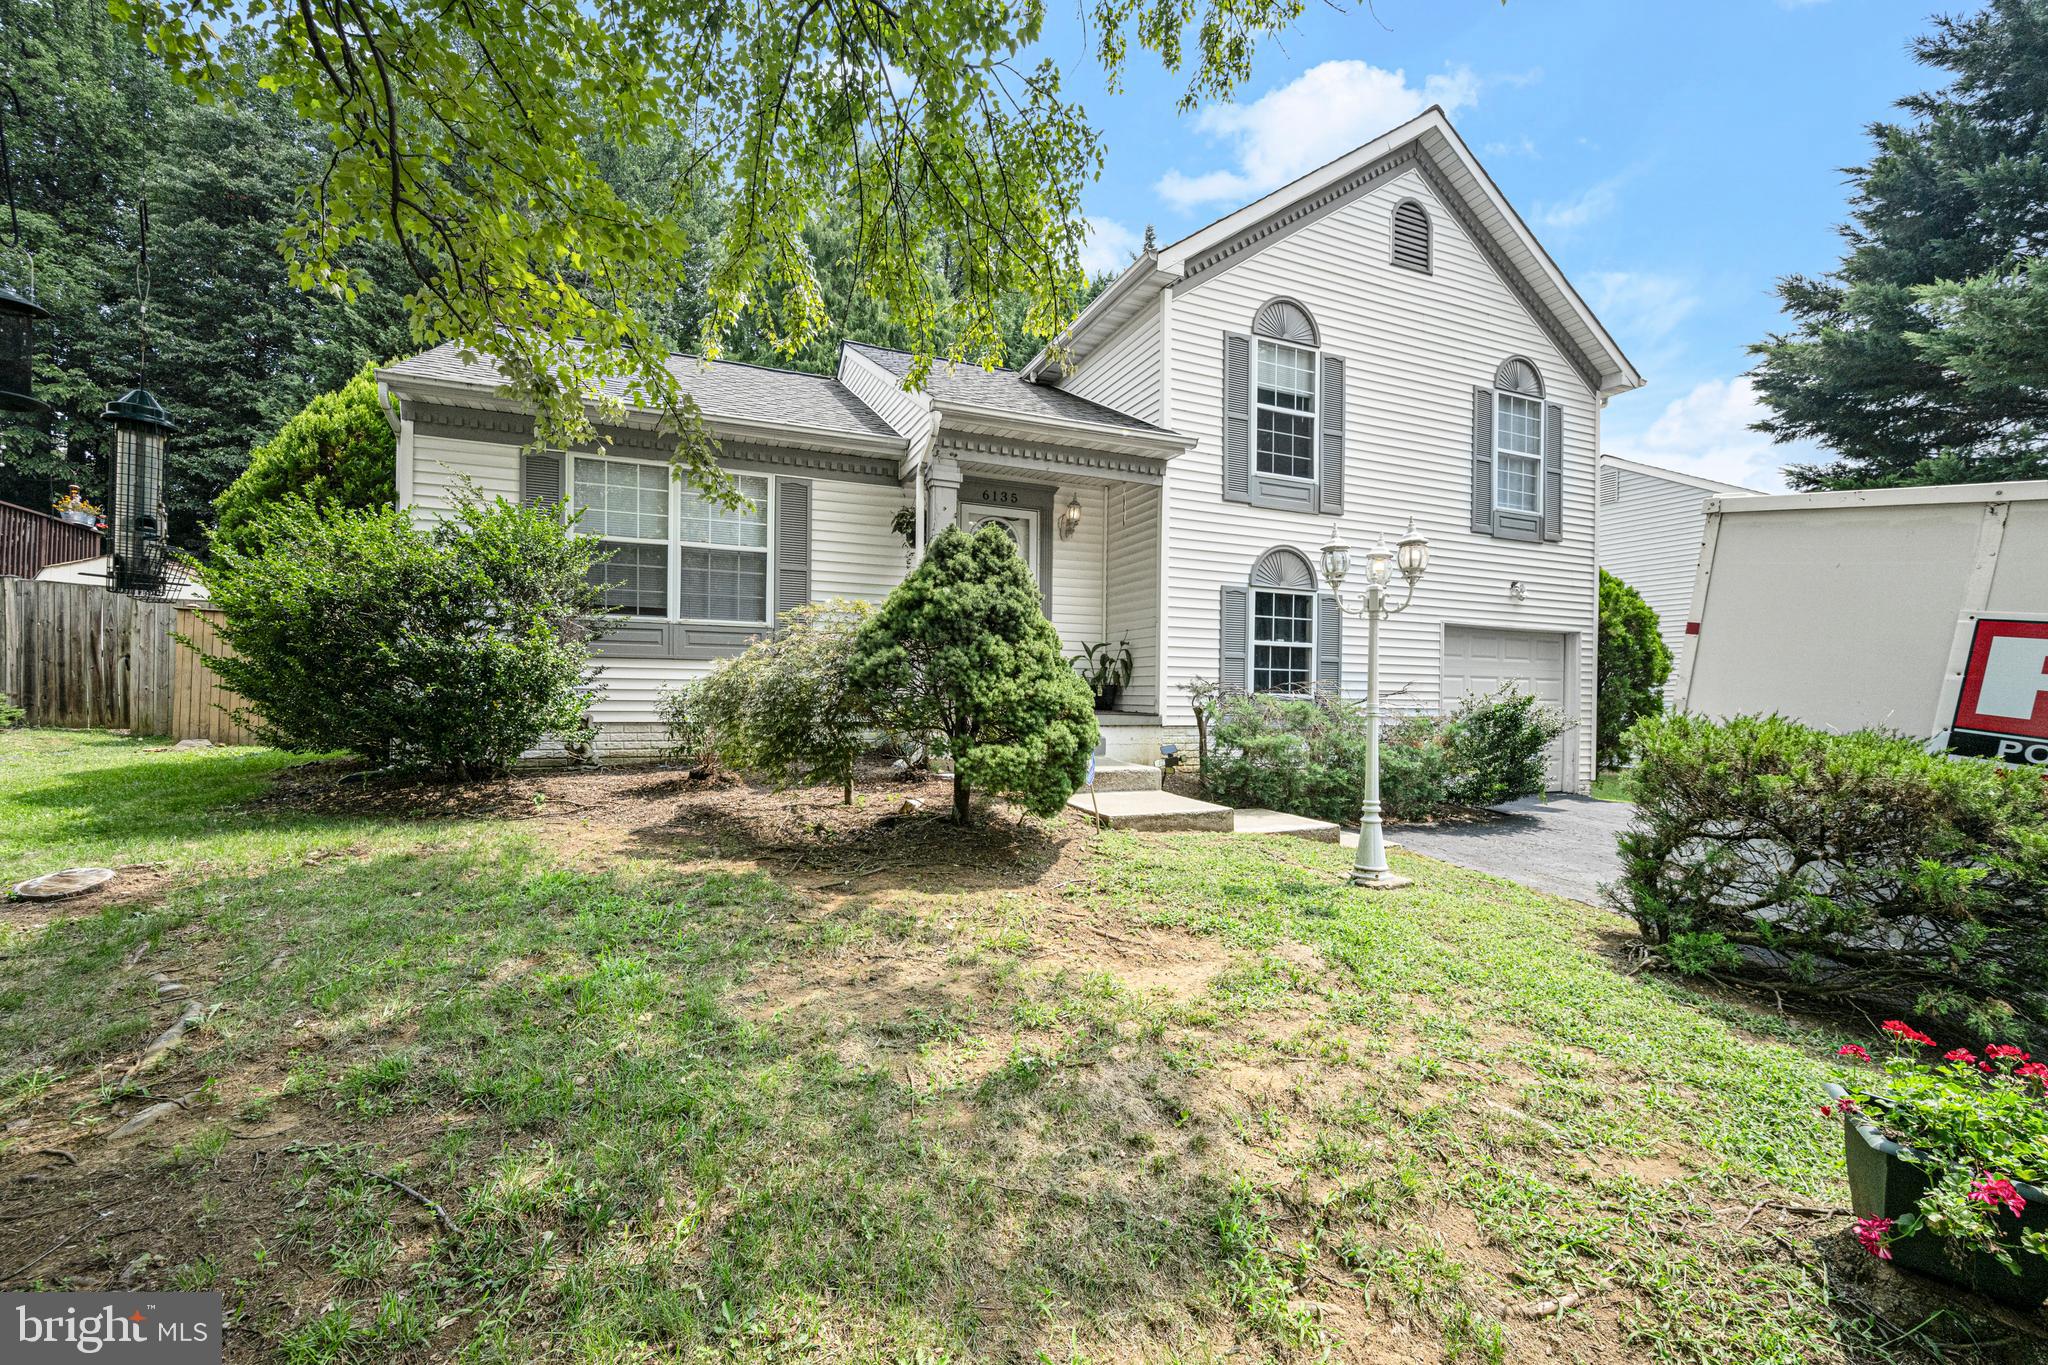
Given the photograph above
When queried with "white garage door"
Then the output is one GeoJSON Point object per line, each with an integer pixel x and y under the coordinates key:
{"type": "Point", "coordinates": [1479, 661]}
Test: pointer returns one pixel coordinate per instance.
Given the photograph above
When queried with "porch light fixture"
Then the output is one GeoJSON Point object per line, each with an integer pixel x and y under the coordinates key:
{"type": "Point", "coordinates": [1070, 517]}
{"type": "Point", "coordinates": [1410, 558]}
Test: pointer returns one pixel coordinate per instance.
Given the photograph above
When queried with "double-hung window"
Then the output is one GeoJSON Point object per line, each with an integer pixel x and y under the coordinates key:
{"type": "Point", "coordinates": [1284, 397]}
{"type": "Point", "coordinates": [725, 555]}
{"type": "Point", "coordinates": [1283, 641]}
{"type": "Point", "coordinates": [625, 505]}
{"type": "Point", "coordinates": [1518, 453]}
{"type": "Point", "coordinates": [674, 554]}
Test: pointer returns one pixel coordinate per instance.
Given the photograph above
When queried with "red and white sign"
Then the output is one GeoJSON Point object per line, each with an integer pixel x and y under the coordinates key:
{"type": "Point", "coordinates": [2002, 711]}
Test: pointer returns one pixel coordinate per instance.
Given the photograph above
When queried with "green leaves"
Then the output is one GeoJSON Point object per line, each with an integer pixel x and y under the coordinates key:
{"type": "Point", "coordinates": [451, 650]}
{"type": "Point", "coordinates": [474, 137]}
{"type": "Point", "coordinates": [1919, 359]}
{"type": "Point", "coordinates": [338, 451]}
{"type": "Point", "coordinates": [1859, 863]}
{"type": "Point", "coordinates": [1634, 663]}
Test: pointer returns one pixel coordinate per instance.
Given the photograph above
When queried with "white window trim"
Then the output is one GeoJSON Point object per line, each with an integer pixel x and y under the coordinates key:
{"type": "Point", "coordinates": [1315, 414]}
{"type": "Point", "coordinates": [1501, 455]}
{"type": "Point", "coordinates": [1252, 641]}
{"type": "Point", "coordinates": [675, 544]}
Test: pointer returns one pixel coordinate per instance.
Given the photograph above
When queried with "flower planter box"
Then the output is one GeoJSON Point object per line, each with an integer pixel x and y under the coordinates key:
{"type": "Point", "coordinates": [1884, 1184]}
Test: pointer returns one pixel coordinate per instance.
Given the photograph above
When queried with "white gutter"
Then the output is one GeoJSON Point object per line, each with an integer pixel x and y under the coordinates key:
{"type": "Point", "coordinates": [1145, 270]}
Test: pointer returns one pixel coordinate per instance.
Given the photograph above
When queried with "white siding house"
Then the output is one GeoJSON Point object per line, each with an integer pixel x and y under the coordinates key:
{"type": "Point", "coordinates": [1382, 341]}
{"type": "Point", "coordinates": [1651, 521]}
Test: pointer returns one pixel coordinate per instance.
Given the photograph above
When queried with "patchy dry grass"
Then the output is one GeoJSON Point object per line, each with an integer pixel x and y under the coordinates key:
{"type": "Point", "coordinates": [628, 1071]}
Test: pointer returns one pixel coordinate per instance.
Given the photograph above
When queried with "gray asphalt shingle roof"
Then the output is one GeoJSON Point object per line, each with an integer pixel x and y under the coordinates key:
{"type": "Point", "coordinates": [1003, 390]}
{"type": "Point", "coordinates": [722, 389]}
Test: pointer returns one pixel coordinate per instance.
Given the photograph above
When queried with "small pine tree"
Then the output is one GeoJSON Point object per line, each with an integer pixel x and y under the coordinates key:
{"type": "Point", "coordinates": [1634, 662]}
{"type": "Point", "coordinates": [962, 653]}
{"type": "Point", "coordinates": [338, 451]}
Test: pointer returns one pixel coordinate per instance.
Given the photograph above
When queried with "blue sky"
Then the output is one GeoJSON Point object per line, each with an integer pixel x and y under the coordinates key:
{"type": "Point", "coordinates": [1675, 156]}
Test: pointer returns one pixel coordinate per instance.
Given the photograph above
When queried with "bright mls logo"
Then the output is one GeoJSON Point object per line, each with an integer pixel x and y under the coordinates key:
{"type": "Point", "coordinates": [162, 1329]}
{"type": "Point", "coordinates": [2002, 712]}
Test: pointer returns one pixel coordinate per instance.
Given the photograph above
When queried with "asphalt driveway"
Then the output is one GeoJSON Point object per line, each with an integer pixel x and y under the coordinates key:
{"type": "Point", "coordinates": [1563, 844]}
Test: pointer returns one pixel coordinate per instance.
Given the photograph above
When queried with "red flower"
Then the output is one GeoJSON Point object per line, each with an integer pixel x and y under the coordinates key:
{"type": "Point", "coordinates": [1908, 1032]}
{"type": "Point", "coordinates": [2001, 1052]}
{"type": "Point", "coordinates": [1871, 1233]}
{"type": "Point", "coordinates": [2001, 1191]}
{"type": "Point", "coordinates": [1827, 1111]}
{"type": "Point", "coordinates": [1961, 1054]}
{"type": "Point", "coordinates": [1852, 1050]}
{"type": "Point", "coordinates": [2035, 1069]}
{"type": "Point", "coordinates": [1845, 1106]}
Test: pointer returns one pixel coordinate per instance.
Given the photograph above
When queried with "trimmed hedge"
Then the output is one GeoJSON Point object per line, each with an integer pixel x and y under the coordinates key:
{"type": "Point", "coordinates": [1853, 866]}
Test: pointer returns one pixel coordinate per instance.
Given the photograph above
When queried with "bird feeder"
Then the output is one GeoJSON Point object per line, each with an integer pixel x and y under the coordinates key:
{"type": "Point", "coordinates": [140, 427]}
{"type": "Point", "coordinates": [18, 317]}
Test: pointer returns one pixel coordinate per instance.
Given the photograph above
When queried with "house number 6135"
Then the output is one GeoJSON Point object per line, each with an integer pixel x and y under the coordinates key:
{"type": "Point", "coordinates": [1002, 497]}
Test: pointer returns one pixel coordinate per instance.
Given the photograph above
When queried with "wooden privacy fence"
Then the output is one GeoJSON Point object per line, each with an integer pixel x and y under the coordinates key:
{"type": "Point", "coordinates": [76, 656]}
{"type": "Point", "coordinates": [200, 707]}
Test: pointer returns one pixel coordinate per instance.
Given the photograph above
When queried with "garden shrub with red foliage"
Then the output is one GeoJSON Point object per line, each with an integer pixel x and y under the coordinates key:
{"type": "Point", "coordinates": [1975, 1124]}
{"type": "Point", "coordinates": [1853, 866]}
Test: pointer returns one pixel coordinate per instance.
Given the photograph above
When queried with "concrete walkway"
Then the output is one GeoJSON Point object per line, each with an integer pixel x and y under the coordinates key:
{"type": "Point", "coordinates": [1563, 845]}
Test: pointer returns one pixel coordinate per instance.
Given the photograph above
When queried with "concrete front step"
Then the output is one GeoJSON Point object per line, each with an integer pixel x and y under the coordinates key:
{"type": "Point", "coordinates": [1125, 777]}
{"type": "Point", "coordinates": [1152, 811]}
{"type": "Point", "coordinates": [1257, 820]}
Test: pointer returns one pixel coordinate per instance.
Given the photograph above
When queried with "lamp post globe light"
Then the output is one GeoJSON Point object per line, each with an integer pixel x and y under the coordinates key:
{"type": "Point", "coordinates": [1409, 558]}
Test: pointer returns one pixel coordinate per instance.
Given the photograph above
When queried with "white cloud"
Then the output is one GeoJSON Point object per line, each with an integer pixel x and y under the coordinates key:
{"type": "Point", "coordinates": [1706, 432]}
{"type": "Point", "coordinates": [1522, 146]}
{"type": "Point", "coordinates": [1108, 246]}
{"type": "Point", "coordinates": [1639, 307]}
{"type": "Point", "coordinates": [1325, 112]}
{"type": "Point", "coordinates": [1593, 202]}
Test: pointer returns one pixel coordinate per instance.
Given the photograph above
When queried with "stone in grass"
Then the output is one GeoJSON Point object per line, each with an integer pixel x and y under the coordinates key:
{"type": "Point", "coordinates": [57, 886]}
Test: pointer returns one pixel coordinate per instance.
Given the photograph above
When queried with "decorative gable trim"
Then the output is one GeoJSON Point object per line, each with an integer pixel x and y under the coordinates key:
{"type": "Point", "coordinates": [500, 427]}
{"type": "Point", "coordinates": [1309, 209]}
{"type": "Point", "coordinates": [1296, 215]}
{"type": "Point", "coordinates": [1511, 277]}
{"type": "Point", "coordinates": [1033, 457]}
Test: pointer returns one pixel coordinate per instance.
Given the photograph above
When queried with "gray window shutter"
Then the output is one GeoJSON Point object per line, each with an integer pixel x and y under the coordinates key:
{"type": "Point", "coordinates": [1233, 664]}
{"type": "Point", "coordinates": [1330, 459]}
{"type": "Point", "coordinates": [1329, 644]}
{"type": "Point", "coordinates": [792, 543]}
{"type": "Point", "coordinates": [540, 479]}
{"type": "Point", "coordinates": [1553, 472]}
{"type": "Point", "coordinates": [1237, 417]}
{"type": "Point", "coordinates": [1482, 461]}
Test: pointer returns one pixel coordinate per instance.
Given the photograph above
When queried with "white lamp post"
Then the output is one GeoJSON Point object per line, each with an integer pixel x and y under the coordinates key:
{"type": "Point", "coordinates": [1411, 558]}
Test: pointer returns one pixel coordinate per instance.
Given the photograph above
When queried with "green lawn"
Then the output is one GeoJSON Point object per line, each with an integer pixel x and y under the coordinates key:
{"type": "Point", "coordinates": [1064, 1096]}
{"type": "Point", "coordinates": [1611, 785]}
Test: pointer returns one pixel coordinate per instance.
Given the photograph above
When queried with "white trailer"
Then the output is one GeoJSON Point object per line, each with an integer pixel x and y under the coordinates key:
{"type": "Point", "coordinates": [1921, 610]}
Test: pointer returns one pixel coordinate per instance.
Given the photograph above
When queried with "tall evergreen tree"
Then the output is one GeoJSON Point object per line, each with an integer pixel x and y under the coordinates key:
{"type": "Point", "coordinates": [1923, 358]}
{"type": "Point", "coordinates": [235, 348]}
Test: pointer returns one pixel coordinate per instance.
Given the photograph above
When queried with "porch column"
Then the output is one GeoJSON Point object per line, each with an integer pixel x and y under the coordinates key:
{"type": "Point", "coordinates": [944, 505]}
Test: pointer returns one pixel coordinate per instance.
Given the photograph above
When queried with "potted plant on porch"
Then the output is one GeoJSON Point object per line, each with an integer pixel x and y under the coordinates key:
{"type": "Point", "coordinates": [1106, 670]}
{"type": "Point", "coordinates": [1947, 1154]}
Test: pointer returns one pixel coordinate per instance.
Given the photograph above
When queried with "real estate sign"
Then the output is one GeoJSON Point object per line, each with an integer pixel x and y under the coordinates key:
{"type": "Point", "coordinates": [2002, 708]}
